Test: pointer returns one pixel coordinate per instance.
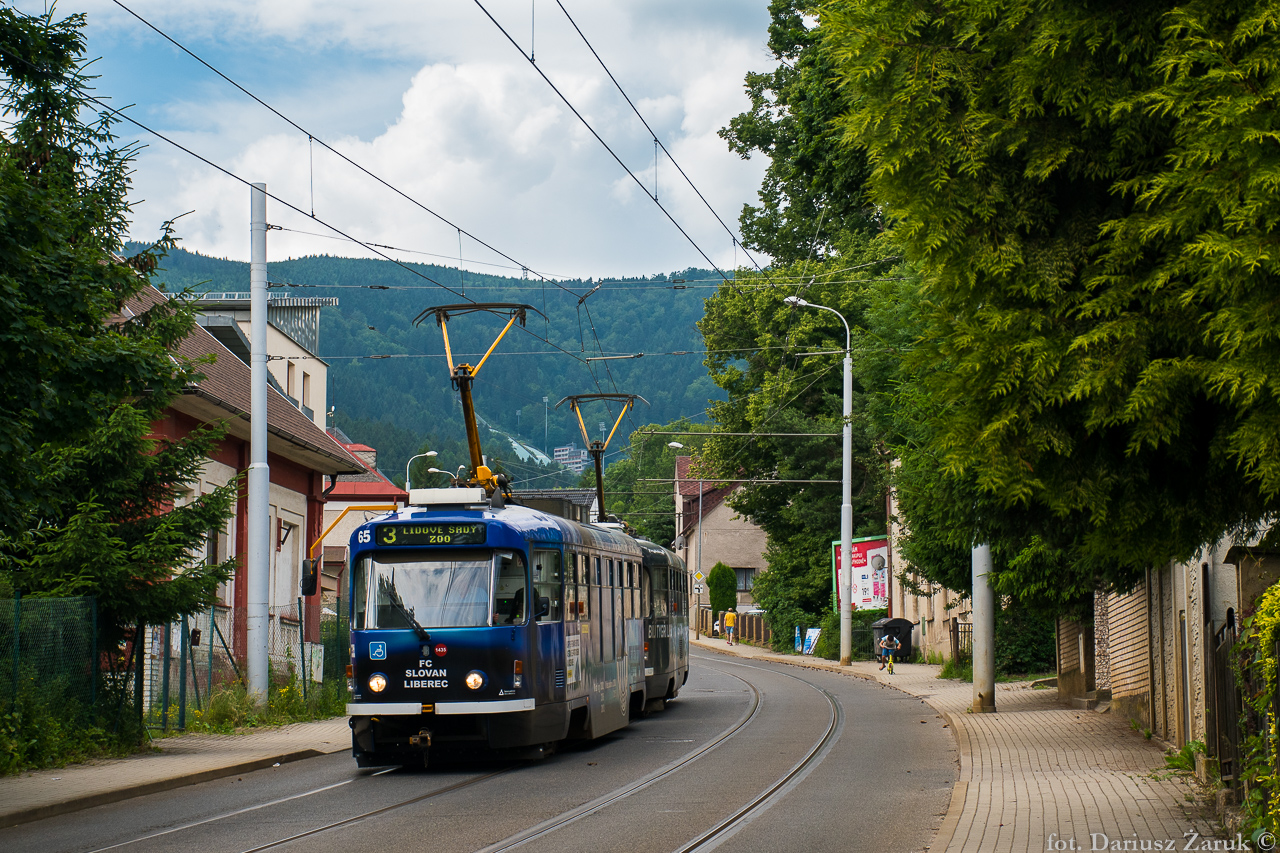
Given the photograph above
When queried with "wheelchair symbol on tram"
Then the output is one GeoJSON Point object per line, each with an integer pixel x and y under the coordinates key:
{"type": "Point", "coordinates": [377, 651]}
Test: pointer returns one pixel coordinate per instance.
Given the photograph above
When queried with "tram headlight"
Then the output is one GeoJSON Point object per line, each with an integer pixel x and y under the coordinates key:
{"type": "Point", "coordinates": [377, 682]}
{"type": "Point", "coordinates": [476, 680]}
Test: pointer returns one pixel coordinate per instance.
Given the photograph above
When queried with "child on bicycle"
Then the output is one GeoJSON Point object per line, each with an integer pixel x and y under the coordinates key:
{"type": "Point", "coordinates": [889, 645]}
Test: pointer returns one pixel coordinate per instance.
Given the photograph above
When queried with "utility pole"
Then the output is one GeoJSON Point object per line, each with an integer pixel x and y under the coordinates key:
{"type": "Point", "coordinates": [846, 480]}
{"type": "Point", "coordinates": [984, 633]}
{"type": "Point", "coordinates": [257, 569]}
{"type": "Point", "coordinates": [546, 419]}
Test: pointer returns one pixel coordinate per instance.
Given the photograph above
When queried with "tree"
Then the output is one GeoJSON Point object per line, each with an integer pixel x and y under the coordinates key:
{"type": "Point", "coordinates": [781, 368]}
{"type": "Point", "coordinates": [90, 502]}
{"type": "Point", "coordinates": [813, 190]}
{"type": "Point", "coordinates": [722, 589]}
{"type": "Point", "coordinates": [1088, 194]}
{"type": "Point", "coordinates": [639, 488]}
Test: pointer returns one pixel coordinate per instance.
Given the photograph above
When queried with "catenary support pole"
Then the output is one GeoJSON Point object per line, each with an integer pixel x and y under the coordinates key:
{"type": "Point", "coordinates": [259, 517]}
{"type": "Point", "coordinates": [846, 514]}
{"type": "Point", "coordinates": [700, 490]}
{"type": "Point", "coordinates": [165, 661]}
{"type": "Point", "coordinates": [184, 649]}
{"type": "Point", "coordinates": [984, 633]}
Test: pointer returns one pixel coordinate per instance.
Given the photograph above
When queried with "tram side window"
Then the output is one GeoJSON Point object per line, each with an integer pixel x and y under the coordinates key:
{"type": "Point", "coordinates": [646, 593]}
{"type": "Point", "coordinates": [584, 590]}
{"type": "Point", "coordinates": [511, 595]}
{"type": "Point", "coordinates": [602, 610]}
{"type": "Point", "coordinates": [571, 586]}
{"type": "Point", "coordinates": [547, 581]}
{"type": "Point", "coordinates": [360, 583]}
{"type": "Point", "coordinates": [633, 592]}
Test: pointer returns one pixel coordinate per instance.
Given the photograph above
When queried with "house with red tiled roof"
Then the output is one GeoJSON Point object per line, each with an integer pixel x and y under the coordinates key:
{"type": "Point", "coordinates": [300, 455]}
{"type": "Point", "coordinates": [368, 487]}
{"type": "Point", "coordinates": [710, 532]}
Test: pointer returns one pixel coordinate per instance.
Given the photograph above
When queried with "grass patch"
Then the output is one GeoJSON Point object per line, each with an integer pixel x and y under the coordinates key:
{"type": "Point", "coordinates": [1184, 759]}
{"type": "Point", "coordinates": [1024, 676]}
{"type": "Point", "coordinates": [961, 670]}
{"type": "Point", "coordinates": [232, 707]}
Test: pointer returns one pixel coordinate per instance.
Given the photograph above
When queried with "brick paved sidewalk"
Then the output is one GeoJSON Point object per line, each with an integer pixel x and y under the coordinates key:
{"type": "Point", "coordinates": [181, 760]}
{"type": "Point", "coordinates": [1037, 773]}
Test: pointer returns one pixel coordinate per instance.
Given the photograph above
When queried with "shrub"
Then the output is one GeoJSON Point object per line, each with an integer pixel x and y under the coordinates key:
{"type": "Point", "coordinates": [1255, 664]}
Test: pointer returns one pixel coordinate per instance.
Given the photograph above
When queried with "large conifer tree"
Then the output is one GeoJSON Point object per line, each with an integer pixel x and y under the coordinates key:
{"type": "Point", "coordinates": [90, 502]}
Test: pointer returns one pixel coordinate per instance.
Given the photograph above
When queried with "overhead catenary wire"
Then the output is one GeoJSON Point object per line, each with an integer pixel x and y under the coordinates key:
{"type": "Point", "coordinates": [122, 115]}
{"type": "Point", "coordinates": [335, 229]}
{"type": "Point", "coordinates": [119, 114]}
{"type": "Point", "coordinates": [656, 141]}
{"type": "Point", "coordinates": [461, 231]}
{"type": "Point", "coordinates": [600, 139]}
{"type": "Point", "coordinates": [321, 142]}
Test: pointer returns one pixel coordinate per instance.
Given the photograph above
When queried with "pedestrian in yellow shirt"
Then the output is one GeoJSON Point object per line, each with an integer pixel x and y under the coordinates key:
{"type": "Point", "coordinates": [730, 620]}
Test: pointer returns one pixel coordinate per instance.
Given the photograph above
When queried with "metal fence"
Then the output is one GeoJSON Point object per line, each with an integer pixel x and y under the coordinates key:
{"type": "Point", "coordinates": [862, 643]}
{"type": "Point", "coordinates": [49, 644]}
{"type": "Point", "coordinates": [49, 654]}
{"type": "Point", "coordinates": [187, 662]}
{"type": "Point", "coordinates": [1222, 740]}
{"type": "Point", "coordinates": [961, 640]}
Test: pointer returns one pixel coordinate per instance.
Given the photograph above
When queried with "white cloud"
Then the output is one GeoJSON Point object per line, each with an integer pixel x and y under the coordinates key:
{"type": "Point", "coordinates": [475, 133]}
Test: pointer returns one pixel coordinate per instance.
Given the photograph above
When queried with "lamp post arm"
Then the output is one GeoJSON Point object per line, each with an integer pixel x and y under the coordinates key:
{"type": "Point", "coordinates": [847, 337]}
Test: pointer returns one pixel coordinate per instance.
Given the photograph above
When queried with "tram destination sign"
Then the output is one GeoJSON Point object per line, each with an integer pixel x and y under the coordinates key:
{"type": "Point", "coordinates": [430, 534]}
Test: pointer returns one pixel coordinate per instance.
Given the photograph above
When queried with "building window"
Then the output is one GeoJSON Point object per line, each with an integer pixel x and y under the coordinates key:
{"type": "Point", "coordinates": [288, 384]}
{"type": "Point", "coordinates": [306, 388]}
{"type": "Point", "coordinates": [746, 579]}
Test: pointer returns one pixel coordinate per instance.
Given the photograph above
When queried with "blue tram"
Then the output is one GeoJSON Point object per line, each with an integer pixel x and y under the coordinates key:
{"type": "Point", "coordinates": [481, 627]}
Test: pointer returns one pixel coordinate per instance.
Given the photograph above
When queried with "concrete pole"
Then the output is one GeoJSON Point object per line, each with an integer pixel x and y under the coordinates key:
{"type": "Point", "coordinates": [700, 546]}
{"type": "Point", "coordinates": [259, 516]}
{"type": "Point", "coordinates": [846, 486]}
{"type": "Point", "coordinates": [846, 515]}
{"type": "Point", "coordinates": [984, 633]}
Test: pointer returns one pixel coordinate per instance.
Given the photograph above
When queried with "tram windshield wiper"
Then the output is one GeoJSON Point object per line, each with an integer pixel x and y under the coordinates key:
{"type": "Point", "coordinates": [408, 615]}
{"type": "Point", "coordinates": [393, 598]}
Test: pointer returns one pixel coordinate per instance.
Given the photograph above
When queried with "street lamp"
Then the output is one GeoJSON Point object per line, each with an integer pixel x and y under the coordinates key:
{"type": "Point", "coordinates": [410, 462]}
{"type": "Point", "coordinates": [846, 507]}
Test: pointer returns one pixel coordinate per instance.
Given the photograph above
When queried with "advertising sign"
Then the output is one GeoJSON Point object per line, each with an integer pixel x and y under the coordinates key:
{"type": "Point", "coordinates": [811, 640]}
{"type": "Point", "coordinates": [870, 573]}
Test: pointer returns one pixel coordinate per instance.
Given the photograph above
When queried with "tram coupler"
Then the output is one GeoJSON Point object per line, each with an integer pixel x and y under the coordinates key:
{"type": "Point", "coordinates": [422, 738]}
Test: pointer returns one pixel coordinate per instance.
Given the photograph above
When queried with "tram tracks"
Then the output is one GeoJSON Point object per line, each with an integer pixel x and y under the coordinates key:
{"type": "Point", "coordinates": [724, 829]}
{"type": "Point", "coordinates": [601, 803]}
{"type": "Point", "coordinates": [705, 841]}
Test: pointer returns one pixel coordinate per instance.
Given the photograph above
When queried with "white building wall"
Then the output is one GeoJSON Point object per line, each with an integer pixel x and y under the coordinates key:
{"type": "Point", "coordinates": [933, 611]}
{"type": "Point", "coordinates": [730, 539]}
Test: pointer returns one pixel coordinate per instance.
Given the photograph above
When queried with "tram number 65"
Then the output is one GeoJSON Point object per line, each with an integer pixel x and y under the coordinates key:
{"type": "Point", "coordinates": [364, 537]}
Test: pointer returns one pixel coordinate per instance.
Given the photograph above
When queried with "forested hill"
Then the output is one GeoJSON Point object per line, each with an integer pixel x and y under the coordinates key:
{"type": "Point", "coordinates": [396, 403]}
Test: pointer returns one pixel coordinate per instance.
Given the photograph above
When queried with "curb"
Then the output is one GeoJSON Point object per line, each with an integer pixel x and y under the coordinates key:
{"type": "Point", "coordinates": [114, 796]}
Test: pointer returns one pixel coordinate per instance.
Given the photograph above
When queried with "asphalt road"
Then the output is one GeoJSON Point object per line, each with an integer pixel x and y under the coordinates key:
{"type": "Point", "coordinates": [782, 758]}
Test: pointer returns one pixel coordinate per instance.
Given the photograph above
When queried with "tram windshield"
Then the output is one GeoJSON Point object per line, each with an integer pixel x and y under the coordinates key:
{"type": "Point", "coordinates": [437, 589]}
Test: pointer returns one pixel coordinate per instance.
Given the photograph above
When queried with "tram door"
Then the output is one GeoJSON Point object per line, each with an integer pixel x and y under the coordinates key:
{"type": "Point", "coordinates": [547, 611]}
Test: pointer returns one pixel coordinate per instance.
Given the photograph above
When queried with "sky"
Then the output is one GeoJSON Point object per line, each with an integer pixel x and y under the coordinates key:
{"type": "Point", "coordinates": [434, 99]}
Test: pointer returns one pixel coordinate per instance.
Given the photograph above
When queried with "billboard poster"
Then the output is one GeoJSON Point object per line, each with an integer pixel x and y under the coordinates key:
{"type": "Point", "coordinates": [870, 573]}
